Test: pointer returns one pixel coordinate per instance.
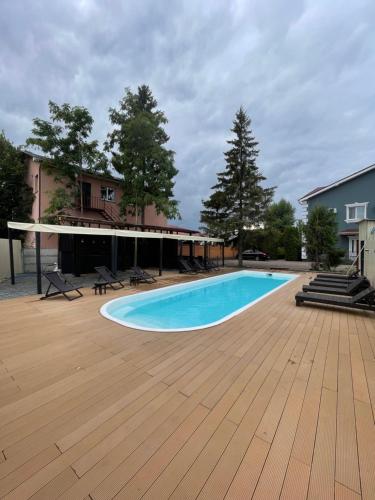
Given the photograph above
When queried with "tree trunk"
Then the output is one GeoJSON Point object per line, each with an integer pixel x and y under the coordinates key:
{"type": "Point", "coordinates": [143, 216]}
{"type": "Point", "coordinates": [240, 248]}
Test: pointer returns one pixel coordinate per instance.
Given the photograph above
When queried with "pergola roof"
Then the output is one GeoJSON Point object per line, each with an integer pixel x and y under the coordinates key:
{"type": "Point", "coordinates": [60, 229]}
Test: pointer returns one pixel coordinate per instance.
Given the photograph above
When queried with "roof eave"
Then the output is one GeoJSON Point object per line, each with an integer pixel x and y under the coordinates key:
{"type": "Point", "coordinates": [338, 183]}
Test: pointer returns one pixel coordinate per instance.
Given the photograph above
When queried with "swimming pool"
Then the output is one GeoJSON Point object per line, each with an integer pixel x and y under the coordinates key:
{"type": "Point", "coordinates": [195, 305]}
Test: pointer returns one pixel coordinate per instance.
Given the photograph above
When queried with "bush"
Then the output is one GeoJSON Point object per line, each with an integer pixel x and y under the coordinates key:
{"type": "Point", "coordinates": [335, 257]}
{"type": "Point", "coordinates": [292, 244]}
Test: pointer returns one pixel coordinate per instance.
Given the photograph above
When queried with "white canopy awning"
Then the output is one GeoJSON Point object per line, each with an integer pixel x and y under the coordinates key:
{"type": "Point", "coordinates": [57, 229]}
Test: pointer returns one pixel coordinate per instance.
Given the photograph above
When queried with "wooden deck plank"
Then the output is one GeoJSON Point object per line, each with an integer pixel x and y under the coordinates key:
{"type": "Point", "coordinates": [322, 480]}
{"type": "Point", "coordinates": [277, 402]}
{"type": "Point", "coordinates": [347, 472]}
{"type": "Point", "coordinates": [366, 448]}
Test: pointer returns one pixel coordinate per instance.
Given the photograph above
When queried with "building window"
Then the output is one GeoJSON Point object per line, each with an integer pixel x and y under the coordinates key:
{"type": "Point", "coordinates": [356, 212]}
{"type": "Point", "coordinates": [36, 183]}
{"type": "Point", "coordinates": [107, 193]}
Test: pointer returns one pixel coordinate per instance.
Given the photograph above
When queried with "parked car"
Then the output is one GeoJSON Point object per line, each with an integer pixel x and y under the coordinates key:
{"type": "Point", "coordinates": [254, 255]}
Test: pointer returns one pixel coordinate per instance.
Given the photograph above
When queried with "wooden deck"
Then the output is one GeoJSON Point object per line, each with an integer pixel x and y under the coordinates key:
{"type": "Point", "coordinates": [277, 402]}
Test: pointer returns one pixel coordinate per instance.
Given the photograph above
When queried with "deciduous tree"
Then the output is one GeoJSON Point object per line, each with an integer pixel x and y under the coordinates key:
{"type": "Point", "coordinates": [16, 197]}
{"type": "Point", "coordinates": [65, 141]}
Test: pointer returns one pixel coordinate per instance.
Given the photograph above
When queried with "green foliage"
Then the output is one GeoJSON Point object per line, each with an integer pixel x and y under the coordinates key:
{"type": "Point", "coordinates": [64, 139]}
{"type": "Point", "coordinates": [137, 143]}
{"type": "Point", "coordinates": [243, 200]}
{"type": "Point", "coordinates": [279, 215]}
{"type": "Point", "coordinates": [214, 216]}
{"type": "Point", "coordinates": [282, 240]}
{"type": "Point", "coordinates": [292, 243]}
{"type": "Point", "coordinates": [335, 257]}
{"type": "Point", "coordinates": [60, 201]}
{"type": "Point", "coordinates": [320, 233]}
{"type": "Point", "coordinates": [16, 197]}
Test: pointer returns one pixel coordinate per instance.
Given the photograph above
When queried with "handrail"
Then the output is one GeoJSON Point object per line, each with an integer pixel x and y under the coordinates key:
{"type": "Point", "coordinates": [97, 203]}
{"type": "Point", "coordinates": [356, 259]}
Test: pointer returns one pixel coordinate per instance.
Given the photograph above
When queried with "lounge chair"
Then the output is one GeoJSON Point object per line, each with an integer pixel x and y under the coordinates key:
{"type": "Point", "coordinates": [344, 279]}
{"type": "Point", "coordinates": [338, 276]}
{"type": "Point", "coordinates": [141, 276]}
{"type": "Point", "coordinates": [354, 287]}
{"type": "Point", "coordinates": [198, 266]}
{"type": "Point", "coordinates": [109, 278]}
{"type": "Point", "coordinates": [58, 281]}
{"type": "Point", "coordinates": [330, 284]}
{"type": "Point", "coordinates": [210, 265]}
{"type": "Point", "coordinates": [362, 300]}
{"type": "Point", "coordinates": [185, 267]}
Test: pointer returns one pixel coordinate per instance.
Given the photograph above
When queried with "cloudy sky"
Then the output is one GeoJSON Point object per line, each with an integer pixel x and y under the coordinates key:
{"type": "Point", "coordinates": [304, 71]}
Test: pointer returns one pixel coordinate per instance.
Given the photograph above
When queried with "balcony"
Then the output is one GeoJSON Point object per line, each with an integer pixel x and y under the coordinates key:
{"type": "Point", "coordinates": [109, 210]}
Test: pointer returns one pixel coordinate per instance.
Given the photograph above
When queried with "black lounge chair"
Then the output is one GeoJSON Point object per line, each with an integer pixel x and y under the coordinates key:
{"type": "Point", "coordinates": [109, 278]}
{"type": "Point", "coordinates": [58, 281]}
{"type": "Point", "coordinates": [354, 287]}
{"type": "Point", "coordinates": [330, 284]}
{"type": "Point", "coordinates": [338, 276]}
{"type": "Point", "coordinates": [141, 276]}
{"type": "Point", "coordinates": [363, 300]}
{"type": "Point", "coordinates": [344, 279]}
{"type": "Point", "coordinates": [198, 266]}
{"type": "Point", "coordinates": [210, 265]}
{"type": "Point", "coordinates": [185, 267]}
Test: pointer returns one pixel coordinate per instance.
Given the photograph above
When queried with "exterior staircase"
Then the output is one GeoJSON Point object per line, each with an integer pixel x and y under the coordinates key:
{"type": "Point", "coordinates": [108, 210]}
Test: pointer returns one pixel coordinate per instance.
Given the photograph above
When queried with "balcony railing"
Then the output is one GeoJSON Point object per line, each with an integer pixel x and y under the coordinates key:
{"type": "Point", "coordinates": [110, 208]}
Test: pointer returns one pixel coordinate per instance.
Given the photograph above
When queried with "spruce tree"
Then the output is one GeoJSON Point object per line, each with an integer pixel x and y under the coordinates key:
{"type": "Point", "coordinates": [243, 200]}
{"type": "Point", "coordinates": [139, 153]}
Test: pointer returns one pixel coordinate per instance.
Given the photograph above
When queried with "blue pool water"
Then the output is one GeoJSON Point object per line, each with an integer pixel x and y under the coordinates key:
{"type": "Point", "coordinates": [195, 305]}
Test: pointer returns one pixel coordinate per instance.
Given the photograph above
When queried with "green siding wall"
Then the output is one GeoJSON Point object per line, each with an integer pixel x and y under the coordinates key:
{"type": "Point", "coordinates": [360, 190]}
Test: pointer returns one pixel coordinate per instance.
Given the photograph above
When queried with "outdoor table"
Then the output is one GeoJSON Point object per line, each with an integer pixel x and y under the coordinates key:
{"type": "Point", "coordinates": [100, 287]}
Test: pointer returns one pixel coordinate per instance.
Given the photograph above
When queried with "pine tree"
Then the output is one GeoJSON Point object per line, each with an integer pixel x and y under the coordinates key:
{"type": "Point", "coordinates": [16, 197]}
{"type": "Point", "coordinates": [139, 153]}
{"type": "Point", "coordinates": [64, 139]}
{"type": "Point", "coordinates": [243, 200]}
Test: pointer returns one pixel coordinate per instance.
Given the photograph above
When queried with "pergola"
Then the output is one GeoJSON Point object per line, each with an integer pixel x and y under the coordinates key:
{"type": "Point", "coordinates": [96, 231]}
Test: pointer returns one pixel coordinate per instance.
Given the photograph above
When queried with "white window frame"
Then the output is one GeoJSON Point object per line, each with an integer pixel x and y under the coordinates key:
{"type": "Point", "coordinates": [355, 205]}
{"type": "Point", "coordinates": [106, 197]}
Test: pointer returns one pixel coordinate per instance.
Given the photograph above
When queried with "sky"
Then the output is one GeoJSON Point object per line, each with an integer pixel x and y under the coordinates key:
{"type": "Point", "coordinates": [303, 70]}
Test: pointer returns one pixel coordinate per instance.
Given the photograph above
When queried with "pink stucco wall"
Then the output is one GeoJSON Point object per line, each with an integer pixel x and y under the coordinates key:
{"type": "Point", "coordinates": [47, 185]}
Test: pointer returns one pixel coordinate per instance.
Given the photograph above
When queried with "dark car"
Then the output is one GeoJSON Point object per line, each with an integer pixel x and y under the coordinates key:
{"type": "Point", "coordinates": [254, 255]}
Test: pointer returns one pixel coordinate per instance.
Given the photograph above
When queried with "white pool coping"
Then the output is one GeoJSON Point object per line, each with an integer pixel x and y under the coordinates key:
{"type": "Point", "coordinates": [104, 309]}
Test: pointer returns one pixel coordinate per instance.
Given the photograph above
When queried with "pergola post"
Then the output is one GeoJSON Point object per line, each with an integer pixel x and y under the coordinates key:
{"type": "Point", "coordinates": [11, 257]}
{"type": "Point", "coordinates": [114, 254]}
{"type": "Point", "coordinates": [160, 256]}
{"type": "Point", "coordinates": [135, 261]}
{"type": "Point", "coordinates": [76, 255]}
{"type": "Point", "coordinates": [222, 253]}
{"type": "Point", "coordinates": [205, 253]}
{"type": "Point", "coordinates": [38, 264]}
{"type": "Point", "coordinates": [190, 250]}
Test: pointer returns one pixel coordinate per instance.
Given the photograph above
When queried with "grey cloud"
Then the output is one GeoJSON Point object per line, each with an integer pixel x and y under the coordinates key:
{"type": "Point", "coordinates": [304, 70]}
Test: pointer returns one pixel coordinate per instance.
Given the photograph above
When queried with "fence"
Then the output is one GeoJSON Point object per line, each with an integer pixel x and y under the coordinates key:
{"type": "Point", "coordinates": [4, 258]}
{"type": "Point", "coordinates": [213, 251]}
